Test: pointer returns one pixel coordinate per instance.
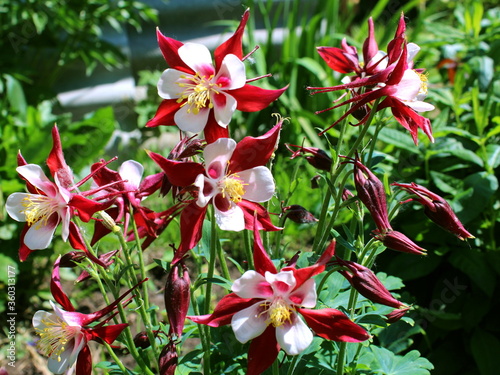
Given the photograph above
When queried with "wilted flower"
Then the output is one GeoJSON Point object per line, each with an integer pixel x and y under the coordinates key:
{"type": "Point", "coordinates": [274, 309]}
{"type": "Point", "coordinates": [199, 95]}
{"type": "Point", "coordinates": [437, 209]}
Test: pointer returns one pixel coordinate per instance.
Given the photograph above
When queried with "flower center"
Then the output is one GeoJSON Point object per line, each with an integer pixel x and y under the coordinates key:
{"type": "Point", "coordinates": [55, 336]}
{"type": "Point", "coordinates": [279, 312]}
{"type": "Point", "coordinates": [232, 186]}
{"type": "Point", "coordinates": [197, 92]}
{"type": "Point", "coordinates": [38, 209]}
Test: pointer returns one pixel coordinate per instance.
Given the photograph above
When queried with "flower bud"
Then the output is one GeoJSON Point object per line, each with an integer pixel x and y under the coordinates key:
{"type": "Point", "coordinates": [177, 295]}
{"type": "Point", "coordinates": [70, 259]}
{"type": "Point", "coordinates": [396, 314]}
{"type": "Point", "coordinates": [437, 209]}
{"type": "Point", "coordinates": [141, 340]}
{"type": "Point", "coordinates": [371, 192]}
{"type": "Point", "coordinates": [168, 359]}
{"type": "Point", "coordinates": [315, 182]}
{"type": "Point", "coordinates": [395, 240]}
{"type": "Point", "coordinates": [319, 158]}
{"type": "Point", "coordinates": [299, 214]}
{"type": "Point", "coordinates": [367, 283]}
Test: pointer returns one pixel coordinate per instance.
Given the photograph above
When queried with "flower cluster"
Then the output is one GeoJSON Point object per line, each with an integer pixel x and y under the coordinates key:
{"type": "Point", "coordinates": [275, 305]}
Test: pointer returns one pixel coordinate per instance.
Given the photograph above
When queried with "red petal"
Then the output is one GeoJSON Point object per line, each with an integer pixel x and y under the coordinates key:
{"type": "Point", "coordinates": [87, 207]}
{"type": "Point", "coordinates": [336, 59]}
{"type": "Point", "coordinates": [334, 325]}
{"type": "Point", "coordinates": [233, 45]}
{"type": "Point", "coordinates": [84, 362]}
{"type": "Point", "coordinates": [224, 311]}
{"type": "Point", "coordinates": [261, 258]}
{"type": "Point", "coordinates": [179, 173]}
{"type": "Point", "coordinates": [169, 48]}
{"type": "Point", "coordinates": [24, 251]}
{"type": "Point", "coordinates": [253, 152]}
{"type": "Point", "coordinates": [56, 289]}
{"type": "Point", "coordinates": [76, 241]}
{"type": "Point", "coordinates": [370, 46]}
{"type": "Point", "coordinates": [56, 161]}
{"type": "Point", "coordinates": [263, 351]}
{"type": "Point", "coordinates": [191, 228]}
{"type": "Point", "coordinates": [165, 113]}
{"type": "Point", "coordinates": [109, 333]}
{"type": "Point", "coordinates": [213, 131]}
{"type": "Point", "coordinates": [263, 222]}
{"type": "Point", "coordinates": [252, 98]}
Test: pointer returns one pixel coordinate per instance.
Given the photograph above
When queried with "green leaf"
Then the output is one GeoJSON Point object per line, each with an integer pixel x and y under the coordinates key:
{"type": "Point", "coordinates": [493, 154]}
{"type": "Point", "coordinates": [399, 139]}
{"type": "Point", "coordinates": [15, 95]}
{"type": "Point", "coordinates": [485, 349]}
{"type": "Point", "coordinates": [483, 187]}
{"type": "Point", "coordinates": [475, 265]}
{"type": "Point", "coordinates": [387, 363]}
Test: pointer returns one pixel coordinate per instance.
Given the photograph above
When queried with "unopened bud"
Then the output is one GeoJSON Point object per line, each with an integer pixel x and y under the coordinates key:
{"type": "Point", "coordinates": [319, 159]}
{"type": "Point", "coordinates": [299, 214]}
{"type": "Point", "coordinates": [108, 222]}
{"type": "Point", "coordinates": [396, 314]}
{"type": "Point", "coordinates": [395, 240]}
{"type": "Point", "coordinates": [315, 182]}
{"type": "Point", "coordinates": [141, 340]}
{"type": "Point", "coordinates": [168, 359]}
{"type": "Point", "coordinates": [70, 259]}
{"type": "Point", "coordinates": [177, 297]}
{"type": "Point", "coordinates": [367, 283]}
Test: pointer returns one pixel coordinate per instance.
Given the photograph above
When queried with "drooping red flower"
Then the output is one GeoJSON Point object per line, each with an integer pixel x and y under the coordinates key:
{"type": "Point", "coordinates": [201, 95]}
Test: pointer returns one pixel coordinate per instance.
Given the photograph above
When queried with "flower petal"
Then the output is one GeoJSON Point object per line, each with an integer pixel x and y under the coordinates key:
{"type": "Point", "coordinates": [263, 351]}
{"type": "Point", "coordinates": [217, 155]}
{"type": "Point", "coordinates": [305, 295]}
{"type": "Point", "coordinates": [294, 338]}
{"type": "Point", "coordinates": [232, 219]}
{"type": "Point", "coordinates": [165, 113]}
{"type": "Point", "coordinates": [197, 57]}
{"type": "Point", "coordinates": [39, 235]}
{"type": "Point", "coordinates": [34, 175]}
{"type": "Point", "coordinates": [252, 285]}
{"type": "Point", "coordinates": [131, 171]}
{"type": "Point", "coordinates": [252, 98]}
{"type": "Point", "coordinates": [188, 121]}
{"type": "Point", "coordinates": [231, 74]}
{"type": "Point", "coordinates": [282, 282]}
{"type": "Point", "coordinates": [15, 206]}
{"type": "Point", "coordinates": [333, 324]}
{"type": "Point", "coordinates": [207, 189]}
{"type": "Point", "coordinates": [248, 323]}
{"type": "Point", "coordinates": [259, 184]}
{"type": "Point", "coordinates": [224, 107]}
{"type": "Point", "coordinates": [234, 44]}
{"type": "Point", "coordinates": [168, 87]}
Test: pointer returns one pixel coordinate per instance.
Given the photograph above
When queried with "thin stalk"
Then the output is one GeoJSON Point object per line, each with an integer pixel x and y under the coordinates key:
{"type": "Point", "coordinates": [115, 358]}
{"type": "Point", "coordinates": [248, 249]}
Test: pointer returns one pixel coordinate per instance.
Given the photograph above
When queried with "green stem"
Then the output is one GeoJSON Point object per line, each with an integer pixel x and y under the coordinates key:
{"type": "Point", "coordinates": [248, 249]}
{"type": "Point", "coordinates": [115, 358]}
{"type": "Point", "coordinates": [223, 262]}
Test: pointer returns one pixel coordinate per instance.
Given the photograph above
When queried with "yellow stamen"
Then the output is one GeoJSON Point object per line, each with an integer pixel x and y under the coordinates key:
{"type": "Point", "coordinates": [279, 312]}
{"type": "Point", "coordinates": [423, 83]}
{"type": "Point", "coordinates": [38, 209]}
{"type": "Point", "coordinates": [232, 186]}
{"type": "Point", "coordinates": [197, 92]}
{"type": "Point", "coordinates": [55, 336]}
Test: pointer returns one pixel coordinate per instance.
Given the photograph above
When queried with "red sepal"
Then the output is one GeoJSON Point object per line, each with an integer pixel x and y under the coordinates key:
{"type": "Point", "coordinates": [179, 173]}
{"type": "Point", "coordinates": [165, 113]}
{"type": "Point", "coordinates": [84, 362]}
{"type": "Point", "coordinates": [169, 48]}
{"type": "Point", "coordinates": [252, 98]}
{"type": "Point", "coordinates": [233, 45]}
{"type": "Point", "coordinates": [261, 258]}
{"type": "Point", "coordinates": [263, 351]}
{"type": "Point", "coordinates": [56, 288]}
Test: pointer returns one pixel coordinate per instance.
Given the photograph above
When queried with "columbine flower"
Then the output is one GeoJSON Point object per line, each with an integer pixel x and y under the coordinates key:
{"type": "Point", "coordinates": [402, 88]}
{"type": "Point", "coordinates": [48, 204]}
{"type": "Point", "coordinates": [437, 209]}
{"type": "Point", "coordinates": [274, 310]}
{"type": "Point", "coordinates": [233, 179]}
{"type": "Point", "coordinates": [65, 333]}
{"type": "Point", "coordinates": [199, 95]}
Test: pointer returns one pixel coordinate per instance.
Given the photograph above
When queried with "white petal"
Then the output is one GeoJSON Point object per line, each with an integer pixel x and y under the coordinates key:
{"type": "Point", "coordinates": [282, 282]}
{"type": "Point", "coordinates": [65, 215]}
{"type": "Point", "coordinates": [131, 171]}
{"type": "Point", "coordinates": [412, 49]}
{"type": "Point", "coordinates": [38, 236]}
{"type": "Point", "coordinates": [217, 155]}
{"type": "Point", "coordinates": [231, 73]}
{"type": "Point", "coordinates": [38, 317]}
{"type": "Point", "coordinates": [224, 113]}
{"type": "Point", "coordinates": [187, 121]}
{"type": "Point", "coordinates": [252, 285]}
{"type": "Point", "coordinates": [232, 219]}
{"type": "Point", "coordinates": [294, 338]}
{"type": "Point", "coordinates": [34, 175]}
{"type": "Point", "coordinates": [205, 185]}
{"type": "Point", "coordinates": [260, 184]}
{"type": "Point", "coordinates": [420, 106]}
{"type": "Point", "coordinates": [409, 86]}
{"type": "Point", "coordinates": [14, 206]}
{"type": "Point", "coordinates": [248, 323]}
{"type": "Point", "coordinates": [196, 56]}
{"type": "Point", "coordinates": [380, 58]}
{"type": "Point", "coordinates": [306, 293]}
{"type": "Point", "coordinates": [168, 87]}
{"type": "Point", "coordinates": [68, 357]}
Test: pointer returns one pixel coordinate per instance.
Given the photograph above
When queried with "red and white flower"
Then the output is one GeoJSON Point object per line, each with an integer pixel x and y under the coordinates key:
{"type": "Point", "coordinates": [65, 333]}
{"type": "Point", "coordinates": [202, 95]}
{"type": "Point", "coordinates": [233, 178]}
{"type": "Point", "coordinates": [274, 309]}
